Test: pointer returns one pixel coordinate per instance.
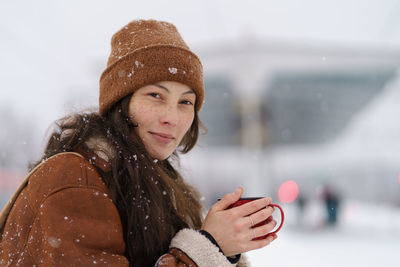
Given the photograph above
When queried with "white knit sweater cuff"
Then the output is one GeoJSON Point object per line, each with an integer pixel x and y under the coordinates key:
{"type": "Point", "coordinates": [199, 249]}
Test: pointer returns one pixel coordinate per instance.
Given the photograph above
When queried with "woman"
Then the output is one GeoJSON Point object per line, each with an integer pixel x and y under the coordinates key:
{"type": "Point", "coordinates": [106, 191]}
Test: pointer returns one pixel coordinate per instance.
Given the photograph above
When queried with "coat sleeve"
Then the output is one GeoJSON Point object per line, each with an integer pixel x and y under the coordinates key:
{"type": "Point", "coordinates": [190, 248]}
{"type": "Point", "coordinates": [77, 226]}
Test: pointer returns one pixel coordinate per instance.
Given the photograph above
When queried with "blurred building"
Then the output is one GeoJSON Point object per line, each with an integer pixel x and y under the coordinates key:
{"type": "Point", "coordinates": [19, 144]}
{"type": "Point", "coordinates": [279, 111]}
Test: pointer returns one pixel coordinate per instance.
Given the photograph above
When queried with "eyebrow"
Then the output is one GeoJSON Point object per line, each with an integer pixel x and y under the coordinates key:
{"type": "Point", "coordinates": [166, 89]}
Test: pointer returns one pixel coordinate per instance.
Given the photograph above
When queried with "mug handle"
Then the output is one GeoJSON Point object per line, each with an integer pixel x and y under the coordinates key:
{"type": "Point", "coordinates": [282, 218]}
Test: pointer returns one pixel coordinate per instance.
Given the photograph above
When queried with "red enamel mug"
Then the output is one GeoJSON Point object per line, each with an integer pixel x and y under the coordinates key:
{"type": "Point", "coordinates": [242, 201]}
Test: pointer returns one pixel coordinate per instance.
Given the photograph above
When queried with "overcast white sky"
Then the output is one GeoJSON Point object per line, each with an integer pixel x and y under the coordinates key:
{"type": "Point", "coordinates": [53, 52]}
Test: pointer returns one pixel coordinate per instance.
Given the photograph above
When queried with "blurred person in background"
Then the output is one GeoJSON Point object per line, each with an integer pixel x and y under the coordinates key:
{"type": "Point", "coordinates": [301, 204]}
{"type": "Point", "coordinates": [106, 191]}
{"type": "Point", "coordinates": [332, 201]}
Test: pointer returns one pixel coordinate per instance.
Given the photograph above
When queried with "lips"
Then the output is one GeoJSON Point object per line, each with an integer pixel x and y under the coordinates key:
{"type": "Point", "coordinates": [162, 137]}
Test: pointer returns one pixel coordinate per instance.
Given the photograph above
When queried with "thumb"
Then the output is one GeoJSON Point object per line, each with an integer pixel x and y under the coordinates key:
{"type": "Point", "coordinates": [228, 199]}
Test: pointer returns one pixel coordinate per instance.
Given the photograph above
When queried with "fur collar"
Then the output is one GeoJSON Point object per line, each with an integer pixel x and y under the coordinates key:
{"type": "Point", "coordinates": [99, 152]}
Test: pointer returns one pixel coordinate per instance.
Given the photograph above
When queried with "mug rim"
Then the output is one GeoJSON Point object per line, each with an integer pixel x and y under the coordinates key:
{"type": "Point", "coordinates": [245, 198]}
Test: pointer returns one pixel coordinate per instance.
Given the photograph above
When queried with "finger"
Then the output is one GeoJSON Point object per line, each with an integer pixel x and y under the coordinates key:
{"type": "Point", "coordinates": [256, 244]}
{"type": "Point", "coordinates": [262, 230]}
{"type": "Point", "coordinates": [228, 200]}
{"type": "Point", "coordinates": [253, 206]}
{"type": "Point", "coordinates": [262, 215]}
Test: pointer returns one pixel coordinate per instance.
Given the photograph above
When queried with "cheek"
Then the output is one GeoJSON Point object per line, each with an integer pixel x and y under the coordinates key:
{"type": "Point", "coordinates": [187, 122]}
{"type": "Point", "coordinates": [142, 115]}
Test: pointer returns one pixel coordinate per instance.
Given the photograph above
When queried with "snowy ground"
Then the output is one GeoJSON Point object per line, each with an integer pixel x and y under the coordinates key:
{"type": "Point", "coordinates": [368, 235]}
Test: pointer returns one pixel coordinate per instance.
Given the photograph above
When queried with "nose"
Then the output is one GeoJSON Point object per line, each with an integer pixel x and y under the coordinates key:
{"type": "Point", "coordinates": [169, 116]}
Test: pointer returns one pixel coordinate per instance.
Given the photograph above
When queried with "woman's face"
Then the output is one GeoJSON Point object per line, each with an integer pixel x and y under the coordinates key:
{"type": "Point", "coordinates": [164, 112]}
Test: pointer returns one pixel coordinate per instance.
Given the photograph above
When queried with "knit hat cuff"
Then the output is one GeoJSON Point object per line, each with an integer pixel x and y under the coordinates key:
{"type": "Point", "coordinates": [149, 65]}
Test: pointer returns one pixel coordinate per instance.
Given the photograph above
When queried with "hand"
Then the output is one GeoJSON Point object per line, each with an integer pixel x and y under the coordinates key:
{"type": "Point", "coordinates": [232, 228]}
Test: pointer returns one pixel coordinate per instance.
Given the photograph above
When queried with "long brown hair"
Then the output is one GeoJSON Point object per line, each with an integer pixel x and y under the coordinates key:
{"type": "Point", "coordinates": [153, 200]}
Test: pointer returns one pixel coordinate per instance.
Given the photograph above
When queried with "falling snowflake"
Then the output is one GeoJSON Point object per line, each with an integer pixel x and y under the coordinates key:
{"type": "Point", "coordinates": [173, 70]}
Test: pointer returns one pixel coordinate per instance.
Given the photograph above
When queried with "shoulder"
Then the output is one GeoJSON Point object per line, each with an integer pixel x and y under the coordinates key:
{"type": "Point", "coordinates": [62, 171]}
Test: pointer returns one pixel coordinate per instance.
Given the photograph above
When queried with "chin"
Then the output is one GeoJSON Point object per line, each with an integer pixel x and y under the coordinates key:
{"type": "Point", "coordinates": [160, 156]}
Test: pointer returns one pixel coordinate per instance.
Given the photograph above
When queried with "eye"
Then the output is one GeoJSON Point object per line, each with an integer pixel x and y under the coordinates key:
{"type": "Point", "coordinates": [155, 95]}
{"type": "Point", "coordinates": [187, 102]}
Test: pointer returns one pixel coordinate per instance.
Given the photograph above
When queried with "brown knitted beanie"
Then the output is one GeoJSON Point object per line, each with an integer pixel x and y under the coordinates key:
{"type": "Point", "coordinates": [145, 52]}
